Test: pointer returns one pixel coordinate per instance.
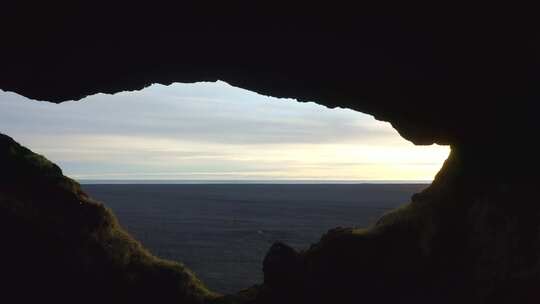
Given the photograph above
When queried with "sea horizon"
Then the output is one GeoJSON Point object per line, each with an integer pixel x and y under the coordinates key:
{"type": "Point", "coordinates": [277, 182]}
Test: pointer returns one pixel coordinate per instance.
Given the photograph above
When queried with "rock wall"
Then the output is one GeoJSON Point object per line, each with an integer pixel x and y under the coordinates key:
{"type": "Point", "coordinates": [468, 238]}
{"type": "Point", "coordinates": [61, 246]}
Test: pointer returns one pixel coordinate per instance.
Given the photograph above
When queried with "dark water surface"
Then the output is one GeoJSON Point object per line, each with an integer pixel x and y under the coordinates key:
{"type": "Point", "coordinates": [223, 231]}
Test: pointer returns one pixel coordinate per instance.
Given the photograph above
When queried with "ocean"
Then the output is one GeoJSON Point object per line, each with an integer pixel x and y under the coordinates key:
{"type": "Point", "coordinates": [223, 231]}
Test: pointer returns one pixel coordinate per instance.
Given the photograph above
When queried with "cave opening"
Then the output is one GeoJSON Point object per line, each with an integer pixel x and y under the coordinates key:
{"type": "Point", "coordinates": [200, 144]}
{"type": "Point", "coordinates": [464, 77]}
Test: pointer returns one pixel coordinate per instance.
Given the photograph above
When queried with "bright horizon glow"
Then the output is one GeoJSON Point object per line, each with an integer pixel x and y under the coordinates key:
{"type": "Point", "coordinates": [213, 131]}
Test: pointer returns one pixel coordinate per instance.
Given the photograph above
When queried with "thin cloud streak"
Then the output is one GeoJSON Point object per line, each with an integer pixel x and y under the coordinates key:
{"type": "Point", "coordinates": [213, 131]}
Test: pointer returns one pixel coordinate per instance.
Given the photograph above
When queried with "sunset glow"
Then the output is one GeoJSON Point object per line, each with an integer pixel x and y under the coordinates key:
{"type": "Point", "coordinates": [213, 131]}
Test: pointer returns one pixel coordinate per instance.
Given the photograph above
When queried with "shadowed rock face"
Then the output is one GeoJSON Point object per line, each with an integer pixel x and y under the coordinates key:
{"type": "Point", "coordinates": [465, 239]}
{"type": "Point", "coordinates": [59, 245]}
{"type": "Point", "coordinates": [465, 79]}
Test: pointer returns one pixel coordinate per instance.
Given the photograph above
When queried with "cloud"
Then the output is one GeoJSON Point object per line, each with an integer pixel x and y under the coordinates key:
{"type": "Point", "coordinates": [210, 112]}
{"type": "Point", "coordinates": [212, 130]}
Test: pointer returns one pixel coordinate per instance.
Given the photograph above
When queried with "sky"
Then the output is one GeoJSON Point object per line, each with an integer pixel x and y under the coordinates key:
{"type": "Point", "coordinates": [213, 131]}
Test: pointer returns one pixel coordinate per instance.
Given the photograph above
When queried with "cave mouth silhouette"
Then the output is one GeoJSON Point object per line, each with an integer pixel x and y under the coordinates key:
{"type": "Point", "coordinates": [305, 126]}
{"type": "Point", "coordinates": [463, 77]}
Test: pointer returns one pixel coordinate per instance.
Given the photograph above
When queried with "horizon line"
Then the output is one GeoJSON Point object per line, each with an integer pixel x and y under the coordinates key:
{"type": "Point", "coordinates": [233, 181]}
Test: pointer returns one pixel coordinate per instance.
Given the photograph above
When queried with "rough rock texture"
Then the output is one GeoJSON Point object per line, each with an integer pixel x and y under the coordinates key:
{"type": "Point", "coordinates": [60, 246]}
{"type": "Point", "coordinates": [464, 239]}
{"type": "Point", "coordinates": [457, 76]}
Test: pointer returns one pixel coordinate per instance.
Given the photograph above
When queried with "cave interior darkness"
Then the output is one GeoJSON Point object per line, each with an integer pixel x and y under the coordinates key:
{"type": "Point", "coordinates": [465, 78]}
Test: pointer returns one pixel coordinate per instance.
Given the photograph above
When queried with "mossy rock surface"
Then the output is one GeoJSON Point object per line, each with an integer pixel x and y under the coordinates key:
{"type": "Point", "coordinates": [61, 245]}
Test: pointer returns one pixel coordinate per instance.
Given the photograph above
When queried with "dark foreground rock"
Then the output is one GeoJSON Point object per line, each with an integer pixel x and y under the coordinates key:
{"type": "Point", "coordinates": [462, 240]}
{"type": "Point", "coordinates": [468, 238]}
{"type": "Point", "coordinates": [60, 246]}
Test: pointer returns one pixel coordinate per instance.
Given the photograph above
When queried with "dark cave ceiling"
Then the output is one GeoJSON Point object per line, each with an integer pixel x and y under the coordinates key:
{"type": "Point", "coordinates": [439, 77]}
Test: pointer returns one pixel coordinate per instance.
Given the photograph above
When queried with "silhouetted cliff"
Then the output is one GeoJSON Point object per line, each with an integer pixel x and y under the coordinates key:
{"type": "Point", "coordinates": [58, 245]}
{"type": "Point", "coordinates": [468, 238]}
